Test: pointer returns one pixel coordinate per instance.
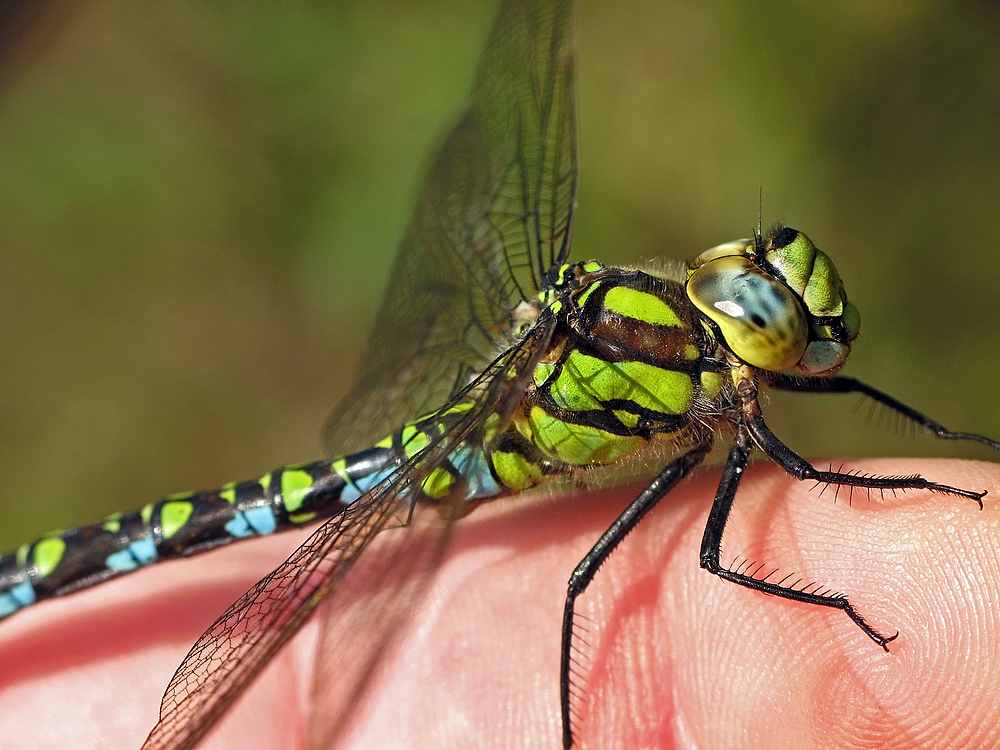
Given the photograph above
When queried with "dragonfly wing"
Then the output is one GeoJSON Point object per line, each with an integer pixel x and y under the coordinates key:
{"type": "Point", "coordinates": [365, 619]}
{"type": "Point", "coordinates": [353, 638]}
{"type": "Point", "coordinates": [493, 217]}
{"type": "Point", "coordinates": [242, 641]}
{"type": "Point", "coordinates": [494, 214]}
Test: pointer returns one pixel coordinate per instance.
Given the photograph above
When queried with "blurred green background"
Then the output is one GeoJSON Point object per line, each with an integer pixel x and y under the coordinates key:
{"type": "Point", "coordinates": [199, 204]}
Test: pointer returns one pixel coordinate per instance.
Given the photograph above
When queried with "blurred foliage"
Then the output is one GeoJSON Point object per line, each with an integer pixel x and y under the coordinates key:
{"type": "Point", "coordinates": [199, 204]}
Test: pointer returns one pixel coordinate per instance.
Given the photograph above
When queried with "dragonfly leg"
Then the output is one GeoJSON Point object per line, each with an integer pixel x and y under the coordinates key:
{"type": "Point", "coordinates": [588, 566]}
{"type": "Point", "coordinates": [798, 467]}
{"type": "Point", "coordinates": [711, 550]}
{"type": "Point", "coordinates": [850, 385]}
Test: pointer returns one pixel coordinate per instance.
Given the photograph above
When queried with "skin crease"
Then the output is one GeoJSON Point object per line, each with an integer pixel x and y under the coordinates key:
{"type": "Point", "coordinates": [677, 658]}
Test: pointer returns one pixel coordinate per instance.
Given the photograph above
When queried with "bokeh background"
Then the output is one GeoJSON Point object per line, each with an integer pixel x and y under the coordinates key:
{"type": "Point", "coordinates": [199, 204]}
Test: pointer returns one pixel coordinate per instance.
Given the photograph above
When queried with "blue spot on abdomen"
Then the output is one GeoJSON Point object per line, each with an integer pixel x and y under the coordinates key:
{"type": "Point", "coordinates": [138, 554]}
{"type": "Point", "coordinates": [16, 598]}
{"type": "Point", "coordinates": [260, 521]}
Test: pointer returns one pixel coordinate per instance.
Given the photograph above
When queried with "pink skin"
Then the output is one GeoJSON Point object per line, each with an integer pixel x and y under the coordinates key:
{"type": "Point", "coordinates": [677, 658]}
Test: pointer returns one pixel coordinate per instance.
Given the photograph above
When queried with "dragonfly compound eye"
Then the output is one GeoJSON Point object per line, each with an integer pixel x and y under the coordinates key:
{"type": "Point", "coordinates": [807, 271]}
{"type": "Point", "coordinates": [833, 321]}
{"type": "Point", "coordinates": [760, 318]}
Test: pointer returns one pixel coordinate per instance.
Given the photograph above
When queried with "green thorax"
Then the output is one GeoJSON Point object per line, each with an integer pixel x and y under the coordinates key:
{"type": "Point", "coordinates": [628, 361]}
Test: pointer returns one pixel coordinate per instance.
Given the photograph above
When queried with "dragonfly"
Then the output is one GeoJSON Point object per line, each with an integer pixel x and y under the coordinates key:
{"type": "Point", "coordinates": [499, 364]}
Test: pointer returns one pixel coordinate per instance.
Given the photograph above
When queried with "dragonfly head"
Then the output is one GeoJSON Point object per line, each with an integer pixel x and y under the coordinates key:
{"type": "Point", "coordinates": [778, 301]}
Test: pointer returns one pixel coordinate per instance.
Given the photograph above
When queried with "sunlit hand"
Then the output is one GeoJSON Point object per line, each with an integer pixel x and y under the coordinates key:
{"type": "Point", "coordinates": [676, 657]}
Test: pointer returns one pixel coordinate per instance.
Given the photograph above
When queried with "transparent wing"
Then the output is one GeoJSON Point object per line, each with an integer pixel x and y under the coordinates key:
{"type": "Point", "coordinates": [351, 642]}
{"type": "Point", "coordinates": [230, 654]}
{"type": "Point", "coordinates": [493, 217]}
{"type": "Point", "coordinates": [494, 214]}
{"type": "Point", "coordinates": [364, 618]}
{"type": "Point", "coordinates": [365, 622]}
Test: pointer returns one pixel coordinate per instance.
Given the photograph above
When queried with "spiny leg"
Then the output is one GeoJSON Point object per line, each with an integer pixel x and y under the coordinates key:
{"type": "Point", "coordinates": [850, 385]}
{"type": "Point", "coordinates": [587, 569]}
{"type": "Point", "coordinates": [794, 464]}
{"type": "Point", "coordinates": [798, 467]}
{"type": "Point", "coordinates": [711, 551]}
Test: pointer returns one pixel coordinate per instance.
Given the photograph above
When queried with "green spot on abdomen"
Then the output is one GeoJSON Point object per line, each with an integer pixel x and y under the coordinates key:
{"type": "Point", "coordinates": [295, 485]}
{"type": "Point", "coordinates": [458, 409]}
{"type": "Point", "coordinates": [438, 483]}
{"type": "Point", "coordinates": [47, 554]}
{"type": "Point", "coordinates": [173, 515]}
{"type": "Point", "coordinates": [113, 523]}
{"type": "Point", "coordinates": [414, 441]}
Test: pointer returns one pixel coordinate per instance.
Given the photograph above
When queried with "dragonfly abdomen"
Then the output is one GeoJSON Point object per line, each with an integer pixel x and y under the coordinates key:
{"type": "Point", "coordinates": [191, 522]}
{"type": "Point", "coordinates": [187, 523]}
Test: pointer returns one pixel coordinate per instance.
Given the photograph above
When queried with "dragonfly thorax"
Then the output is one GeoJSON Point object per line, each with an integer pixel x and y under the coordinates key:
{"type": "Point", "coordinates": [628, 361]}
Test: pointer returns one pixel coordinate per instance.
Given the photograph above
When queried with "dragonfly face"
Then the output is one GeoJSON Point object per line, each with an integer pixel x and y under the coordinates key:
{"type": "Point", "coordinates": [779, 305]}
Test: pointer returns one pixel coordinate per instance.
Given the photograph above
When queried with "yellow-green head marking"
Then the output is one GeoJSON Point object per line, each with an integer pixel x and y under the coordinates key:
{"type": "Point", "coordinates": [779, 303]}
